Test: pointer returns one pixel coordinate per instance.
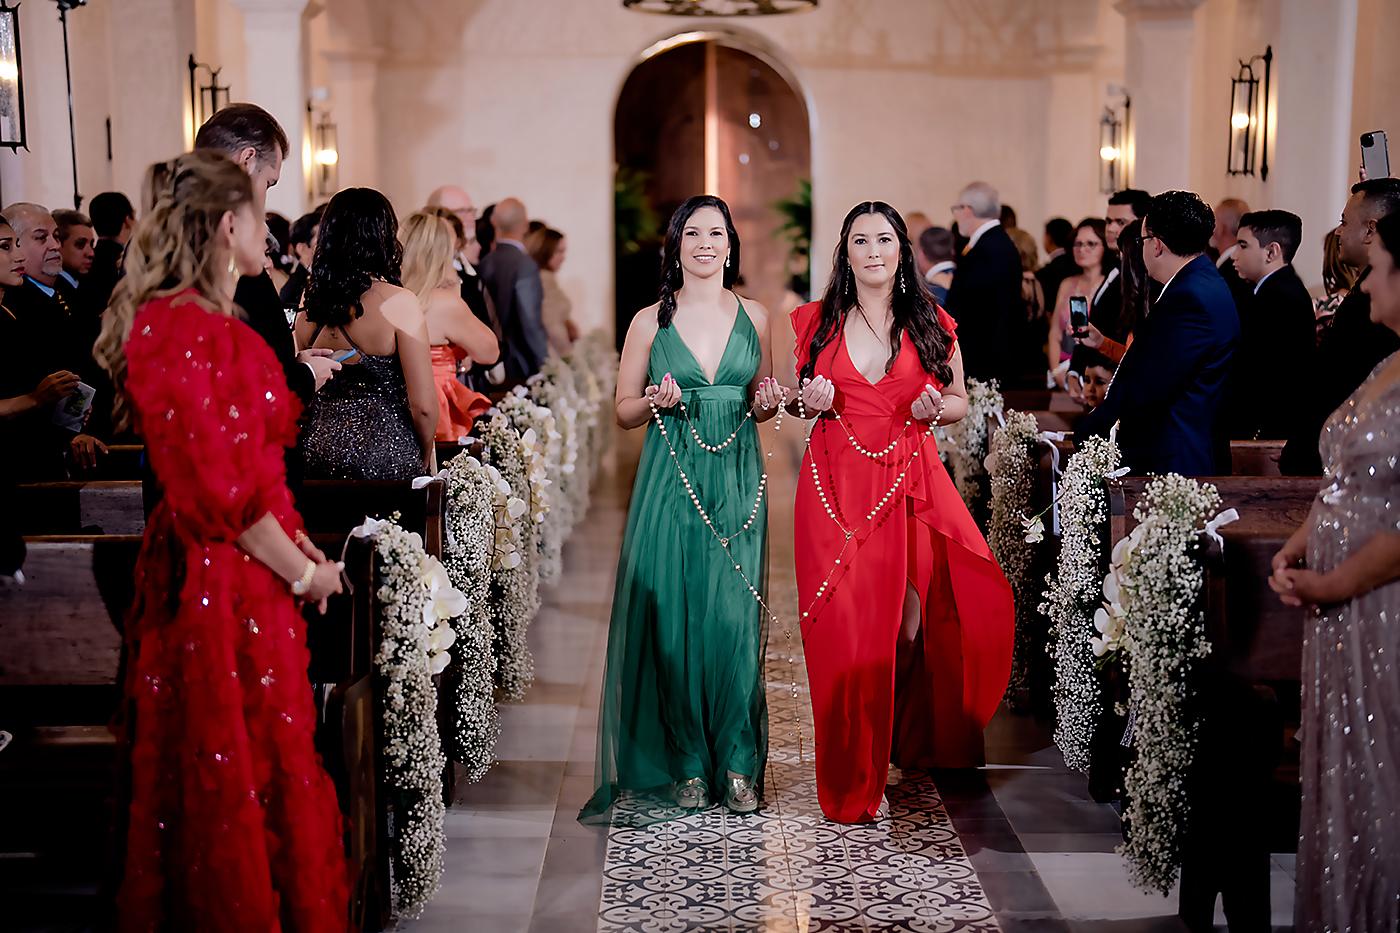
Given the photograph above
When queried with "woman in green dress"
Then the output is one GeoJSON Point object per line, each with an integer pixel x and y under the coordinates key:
{"type": "Point", "coordinates": [683, 719]}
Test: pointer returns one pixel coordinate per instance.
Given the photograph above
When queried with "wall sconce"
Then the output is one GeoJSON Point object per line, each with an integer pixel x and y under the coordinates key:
{"type": "Point", "coordinates": [325, 152]}
{"type": "Point", "coordinates": [12, 129]}
{"type": "Point", "coordinates": [205, 99]}
{"type": "Point", "coordinates": [1113, 147]}
{"type": "Point", "coordinates": [1249, 118]}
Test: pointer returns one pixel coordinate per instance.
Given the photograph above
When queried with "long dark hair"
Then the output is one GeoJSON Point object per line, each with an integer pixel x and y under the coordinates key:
{"type": "Point", "coordinates": [672, 278]}
{"type": "Point", "coordinates": [1137, 295]}
{"type": "Point", "coordinates": [358, 243]}
{"type": "Point", "coordinates": [913, 305]}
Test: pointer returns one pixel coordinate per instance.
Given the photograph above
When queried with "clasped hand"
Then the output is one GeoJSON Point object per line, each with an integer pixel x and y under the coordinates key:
{"type": "Point", "coordinates": [929, 404]}
{"type": "Point", "coordinates": [771, 393]}
{"type": "Point", "coordinates": [326, 581]}
{"type": "Point", "coordinates": [1294, 583]}
{"type": "Point", "coordinates": [818, 394]}
{"type": "Point", "coordinates": [665, 395]}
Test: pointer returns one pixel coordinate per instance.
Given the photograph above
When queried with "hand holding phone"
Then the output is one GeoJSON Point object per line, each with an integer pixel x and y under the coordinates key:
{"type": "Point", "coordinates": [1078, 314]}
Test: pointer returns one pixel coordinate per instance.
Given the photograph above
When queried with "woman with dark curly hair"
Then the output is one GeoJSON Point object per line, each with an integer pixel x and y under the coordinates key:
{"type": "Point", "coordinates": [377, 420]}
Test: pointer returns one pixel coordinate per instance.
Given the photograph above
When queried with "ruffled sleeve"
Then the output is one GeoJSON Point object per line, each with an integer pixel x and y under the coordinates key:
{"type": "Point", "coordinates": [951, 326]}
{"type": "Point", "coordinates": [804, 322]}
{"type": "Point", "coordinates": [207, 445]}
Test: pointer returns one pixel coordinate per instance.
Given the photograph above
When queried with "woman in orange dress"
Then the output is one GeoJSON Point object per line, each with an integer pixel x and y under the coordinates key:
{"type": "Point", "coordinates": [458, 338]}
{"type": "Point", "coordinates": [906, 617]}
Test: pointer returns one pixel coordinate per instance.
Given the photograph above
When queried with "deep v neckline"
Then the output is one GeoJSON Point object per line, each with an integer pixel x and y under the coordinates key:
{"type": "Point", "coordinates": [846, 348]}
{"type": "Point", "coordinates": [733, 329]}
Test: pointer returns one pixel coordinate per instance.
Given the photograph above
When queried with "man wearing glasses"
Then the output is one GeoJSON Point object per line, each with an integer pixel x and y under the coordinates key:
{"type": "Point", "coordinates": [1167, 393]}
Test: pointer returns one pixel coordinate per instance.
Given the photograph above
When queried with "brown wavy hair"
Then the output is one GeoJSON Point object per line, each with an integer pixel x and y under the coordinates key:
{"type": "Point", "coordinates": [173, 248]}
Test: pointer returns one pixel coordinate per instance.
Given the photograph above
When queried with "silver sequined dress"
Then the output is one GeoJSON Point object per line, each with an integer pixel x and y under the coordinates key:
{"type": "Point", "coordinates": [1349, 855]}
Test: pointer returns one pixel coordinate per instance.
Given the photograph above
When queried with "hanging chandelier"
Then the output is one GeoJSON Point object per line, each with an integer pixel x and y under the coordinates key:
{"type": "Point", "coordinates": [720, 7]}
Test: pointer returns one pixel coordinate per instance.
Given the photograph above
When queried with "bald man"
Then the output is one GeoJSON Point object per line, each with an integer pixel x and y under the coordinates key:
{"type": "Point", "coordinates": [1224, 242]}
{"type": "Point", "coordinates": [513, 279]}
{"type": "Point", "coordinates": [456, 200]}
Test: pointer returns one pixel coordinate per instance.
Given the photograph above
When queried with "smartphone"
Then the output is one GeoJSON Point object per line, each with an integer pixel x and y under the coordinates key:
{"type": "Point", "coordinates": [1078, 314]}
{"type": "Point", "coordinates": [1375, 155]}
{"type": "Point", "coordinates": [344, 355]}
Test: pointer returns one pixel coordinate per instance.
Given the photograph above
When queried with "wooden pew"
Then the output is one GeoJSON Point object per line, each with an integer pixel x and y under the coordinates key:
{"type": "Point", "coordinates": [1255, 458]}
{"type": "Point", "coordinates": [1244, 805]}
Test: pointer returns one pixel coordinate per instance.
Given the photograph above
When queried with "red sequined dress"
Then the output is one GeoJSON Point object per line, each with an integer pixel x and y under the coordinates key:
{"type": "Point", "coordinates": [929, 713]}
{"type": "Point", "coordinates": [233, 821]}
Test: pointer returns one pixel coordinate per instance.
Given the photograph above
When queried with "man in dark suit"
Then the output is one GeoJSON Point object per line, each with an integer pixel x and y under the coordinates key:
{"type": "Point", "coordinates": [1352, 346]}
{"type": "Point", "coordinates": [1278, 330]}
{"type": "Point", "coordinates": [459, 204]}
{"type": "Point", "coordinates": [113, 218]}
{"type": "Point", "coordinates": [253, 138]}
{"type": "Point", "coordinates": [513, 279]}
{"type": "Point", "coordinates": [985, 297]}
{"type": "Point", "coordinates": [1167, 393]}
{"type": "Point", "coordinates": [1059, 263]}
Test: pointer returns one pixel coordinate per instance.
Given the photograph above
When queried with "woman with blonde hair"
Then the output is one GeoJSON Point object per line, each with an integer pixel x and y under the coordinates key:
{"type": "Point", "coordinates": [233, 823]}
{"type": "Point", "coordinates": [457, 338]}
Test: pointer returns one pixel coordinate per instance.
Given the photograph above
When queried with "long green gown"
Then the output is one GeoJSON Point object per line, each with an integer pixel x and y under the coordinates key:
{"type": "Point", "coordinates": [683, 693]}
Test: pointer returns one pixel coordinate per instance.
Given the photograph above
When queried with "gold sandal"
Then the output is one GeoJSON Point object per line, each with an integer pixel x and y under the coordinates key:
{"type": "Point", "coordinates": [693, 794]}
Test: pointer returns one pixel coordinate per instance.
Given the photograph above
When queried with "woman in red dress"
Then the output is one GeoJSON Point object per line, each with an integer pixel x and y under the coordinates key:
{"type": "Point", "coordinates": [906, 617]}
{"type": "Point", "coordinates": [233, 823]}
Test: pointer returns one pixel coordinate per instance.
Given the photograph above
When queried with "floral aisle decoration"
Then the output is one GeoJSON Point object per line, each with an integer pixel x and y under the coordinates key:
{"type": "Point", "coordinates": [542, 446]}
{"type": "Point", "coordinates": [478, 502]}
{"type": "Point", "coordinates": [1072, 594]}
{"type": "Point", "coordinates": [417, 604]}
{"type": "Point", "coordinates": [515, 596]}
{"type": "Point", "coordinates": [1153, 622]}
{"type": "Point", "coordinates": [555, 388]}
{"type": "Point", "coordinates": [1011, 466]}
{"type": "Point", "coordinates": [963, 444]}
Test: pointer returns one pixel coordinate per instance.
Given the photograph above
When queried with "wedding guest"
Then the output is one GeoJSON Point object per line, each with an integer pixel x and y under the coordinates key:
{"type": "Point", "coordinates": [985, 297]}
{"type": "Point", "coordinates": [1338, 278]}
{"type": "Point", "coordinates": [1032, 328]}
{"type": "Point", "coordinates": [457, 205]}
{"type": "Point", "coordinates": [1095, 263]}
{"type": "Point", "coordinates": [1168, 391]}
{"type": "Point", "coordinates": [279, 232]}
{"type": "Point", "coordinates": [254, 139]}
{"type": "Point", "coordinates": [513, 279]}
{"type": "Point", "coordinates": [1124, 207]}
{"type": "Point", "coordinates": [1098, 376]}
{"type": "Point", "coordinates": [77, 241]}
{"type": "Point", "coordinates": [1277, 326]}
{"type": "Point", "coordinates": [232, 821]}
{"type": "Point", "coordinates": [1344, 563]}
{"type": "Point", "coordinates": [378, 418]}
{"type": "Point", "coordinates": [1059, 263]}
{"type": "Point", "coordinates": [547, 247]}
{"type": "Point", "coordinates": [457, 339]}
{"type": "Point", "coordinates": [480, 377]}
{"type": "Point", "coordinates": [1136, 291]}
{"type": "Point", "coordinates": [937, 265]}
{"type": "Point", "coordinates": [302, 241]}
{"type": "Point", "coordinates": [1223, 244]}
{"type": "Point", "coordinates": [1352, 346]}
{"type": "Point", "coordinates": [113, 219]}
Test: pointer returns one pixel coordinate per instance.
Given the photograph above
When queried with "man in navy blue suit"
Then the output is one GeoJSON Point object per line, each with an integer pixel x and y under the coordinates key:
{"type": "Point", "coordinates": [1167, 393]}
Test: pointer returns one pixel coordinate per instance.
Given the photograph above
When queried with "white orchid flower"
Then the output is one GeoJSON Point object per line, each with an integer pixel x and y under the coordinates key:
{"type": "Point", "coordinates": [438, 663]}
{"type": "Point", "coordinates": [515, 508]}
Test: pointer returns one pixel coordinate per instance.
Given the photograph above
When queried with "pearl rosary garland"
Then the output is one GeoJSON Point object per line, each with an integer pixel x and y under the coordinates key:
{"type": "Point", "coordinates": [717, 448]}
{"type": "Point", "coordinates": [873, 455]}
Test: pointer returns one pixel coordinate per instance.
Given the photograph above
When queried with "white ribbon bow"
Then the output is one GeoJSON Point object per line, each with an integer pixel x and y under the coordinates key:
{"type": "Point", "coordinates": [1213, 526]}
{"type": "Point", "coordinates": [421, 482]}
{"type": "Point", "coordinates": [1000, 415]}
{"type": "Point", "coordinates": [1048, 438]}
{"type": "Point", "coordinates": [369, 527]}
{"type": "Point", "coordinates": [1118, 473]}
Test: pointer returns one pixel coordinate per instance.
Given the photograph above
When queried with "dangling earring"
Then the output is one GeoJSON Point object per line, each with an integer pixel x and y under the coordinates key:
{"type": "Point", "coordinates": [901, 281]}
{"type": "Point", "coordinates": [232, 271]}
{"type": "Point", "coordinates": [726, 261]}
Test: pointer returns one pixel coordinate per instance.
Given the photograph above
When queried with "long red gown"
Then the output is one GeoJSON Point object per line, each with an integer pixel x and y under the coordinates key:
{"type": "Point", "coordinates": [930, 715]}
{"type": "Point", "coordinates": [233, 821]}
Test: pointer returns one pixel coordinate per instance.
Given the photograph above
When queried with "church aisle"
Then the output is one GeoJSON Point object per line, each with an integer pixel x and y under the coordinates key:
{"type": "Point", "coordinates": [1018, 846]}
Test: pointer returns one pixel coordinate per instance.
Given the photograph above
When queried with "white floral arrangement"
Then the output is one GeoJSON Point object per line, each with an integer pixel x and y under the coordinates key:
{"type": "Point", "coordinates": [594, 363]}
{"type": "Point", "coordinates": [1011, 466]}
{"type": "Point", "coordinates": [515, 584]}
{"type": "Point", "coordinates": [554, 387]}
{"type": "Point", "coordinates": [1072, 594]}
{"type": "Point", "coordinates": [417, 604]}
{"type": "Point", "coordinates": [963, 444]}
{"type": "Point", "coordinates": [543, 456]}
{"type": "Point", "coordinates": [1153, 621]}
{"type": "Point", "coordinates": [478, 505]}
